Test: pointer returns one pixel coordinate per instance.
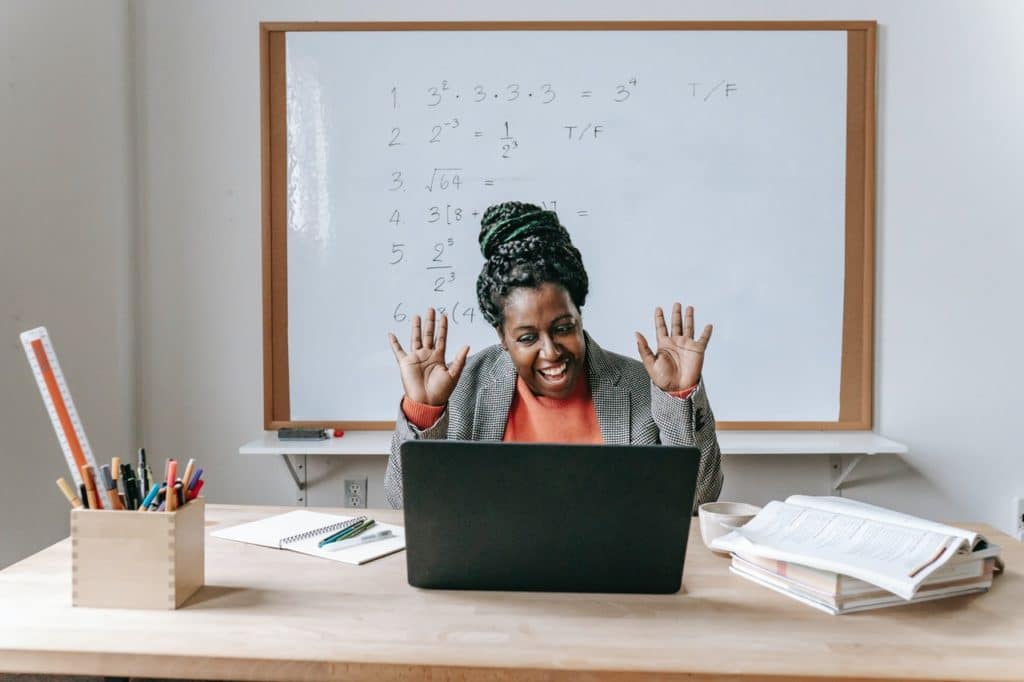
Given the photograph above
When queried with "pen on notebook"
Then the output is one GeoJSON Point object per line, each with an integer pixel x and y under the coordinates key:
{"type": "Point", "coordinates": [352, 524]}
{"type": "Point", "coordinates": [74, 499]}
{"type": "Point", "coordinates": [361, 540]}
{"type": "Point", "coordinates": [346, 533]}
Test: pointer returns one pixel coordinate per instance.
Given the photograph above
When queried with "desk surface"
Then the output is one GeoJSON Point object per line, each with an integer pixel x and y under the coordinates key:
{"type": "Point", "coordinates": [272, 614]}
{"type": "Point", "coordinates": [731, 443]}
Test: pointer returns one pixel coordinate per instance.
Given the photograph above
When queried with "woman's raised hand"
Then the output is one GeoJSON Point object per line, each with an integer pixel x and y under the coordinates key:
{"type": "Point", "coordinates": [677, 364]}
{"type": "Point", "coordinates": [426, 377]}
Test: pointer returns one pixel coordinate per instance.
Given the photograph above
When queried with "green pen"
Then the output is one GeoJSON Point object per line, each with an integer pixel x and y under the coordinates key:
{"type": "Point", "coordinates": [354, 523]}
{"type": "Point", "coordinates": [347, 533]}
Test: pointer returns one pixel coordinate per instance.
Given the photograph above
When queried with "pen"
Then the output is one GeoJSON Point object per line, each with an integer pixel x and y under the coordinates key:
{"type": "Point", "coordinates": [150, 497]}
{"type": "Point", "coordinates": [111, 487]}
{"type": "Point", "coordinates": [353, 524]}
{"type": "Point", "coordinates": [171, 500]}
{"type": "Point", "coordinates": [82, 496]}
{"type": "Point", "coordinates": [131, 488]}
{"type": "Point", "coordinates": [347, 533]}
{"type": "Point", "coordinates": [90, 487]}
{"type": "Point", "coordinates": [75, 501]}
{"type": "Point", "coordinates": [195, 491]}
{"type": "Point", "coordinates": [361, 540]}
{"type": "Point", "coordinates": [144, 475]}
{"type": "Point", "coordinates": [189, 469]}
{"type": "Point", "coordinates": [195, 479]}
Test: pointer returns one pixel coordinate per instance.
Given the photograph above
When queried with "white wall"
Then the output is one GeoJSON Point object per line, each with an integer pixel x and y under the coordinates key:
{"type": "Point", "coordinates": [66, 241]}
{"type": "Point", "coordinates": [948, 243]}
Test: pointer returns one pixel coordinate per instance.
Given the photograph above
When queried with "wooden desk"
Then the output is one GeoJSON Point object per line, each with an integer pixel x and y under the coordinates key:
{"type": "Point", "coordinates": [271, 614]}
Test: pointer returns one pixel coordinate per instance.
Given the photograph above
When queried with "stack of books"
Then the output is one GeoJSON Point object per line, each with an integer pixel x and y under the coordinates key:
{"type": "Point", "coordinates": [842, 556]}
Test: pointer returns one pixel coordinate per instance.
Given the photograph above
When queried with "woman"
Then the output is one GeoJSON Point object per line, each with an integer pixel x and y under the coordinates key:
{"type": "Point", "coordinates": [547, 380]}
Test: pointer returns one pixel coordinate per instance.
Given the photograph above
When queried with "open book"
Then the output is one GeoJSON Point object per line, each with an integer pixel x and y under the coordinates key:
{"type": "Point", "coordinates": [301, 531]}
{"type": "Point", "coordinates": [894, 551]}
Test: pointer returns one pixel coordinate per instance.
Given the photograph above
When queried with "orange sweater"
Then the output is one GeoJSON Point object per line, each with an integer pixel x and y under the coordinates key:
{"type": "Point", "coordinates": [536, 419]}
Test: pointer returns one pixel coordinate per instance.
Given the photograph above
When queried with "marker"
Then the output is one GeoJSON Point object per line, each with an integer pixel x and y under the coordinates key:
{"type": "Point", "coordinates": [179, 495]}
{"type": "Point", "coordinates": [144, 475]}
{"type": "Point", "coordinates": [172, 475]}
{"type": "Point", "coordinates": [361, 540]}
{"type": "Point", "coordinates": [131, 488]}
{"type": "Point", "coordinates": [338, 433]}
{"type": "Point", "coordinates": [90, 487]}
{"type": "Point", "coordinates": [195, 479]}
{"type": "Point", "coordinates": [74, 499]}
{"type": "Point", "coordinates": [195, 491]}
{"type": "Point", "coordinates": [189, 468]}
{"type": "Point", "coordinates": [150, 497]}
{"type": "Point", "coordinates": [83, 498]}
{"type": "Point", "coordinates": [111, 487]}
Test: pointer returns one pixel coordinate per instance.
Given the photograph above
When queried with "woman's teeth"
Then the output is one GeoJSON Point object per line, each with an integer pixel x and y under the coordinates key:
{"type": "Point", "coordinates": [555, 372]}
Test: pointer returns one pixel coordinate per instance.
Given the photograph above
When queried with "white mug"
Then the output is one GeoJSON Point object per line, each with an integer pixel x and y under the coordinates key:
{"type": "Point", "coordinates": [718, 518]}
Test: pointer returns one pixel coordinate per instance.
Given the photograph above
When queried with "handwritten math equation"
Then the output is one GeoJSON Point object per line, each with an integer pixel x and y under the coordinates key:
{"type": "Point", "coordinates": [434, 214]}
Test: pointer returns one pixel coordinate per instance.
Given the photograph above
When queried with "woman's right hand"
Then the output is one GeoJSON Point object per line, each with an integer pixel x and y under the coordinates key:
{"type": "Point", "coordinates": [426, 377]}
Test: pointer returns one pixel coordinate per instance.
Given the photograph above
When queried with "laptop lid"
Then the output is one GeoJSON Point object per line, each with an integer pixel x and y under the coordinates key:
{"type": "Point", "coordinates": [547, 517]}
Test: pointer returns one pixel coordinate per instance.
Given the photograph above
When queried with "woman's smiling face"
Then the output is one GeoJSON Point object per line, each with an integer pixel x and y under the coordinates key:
{"type": "Point", "coordinates": [543, 333]}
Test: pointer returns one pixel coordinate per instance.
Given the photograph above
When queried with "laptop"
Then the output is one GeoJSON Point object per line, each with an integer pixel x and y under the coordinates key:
{"type": "Point", "coordinates": [547, 517]}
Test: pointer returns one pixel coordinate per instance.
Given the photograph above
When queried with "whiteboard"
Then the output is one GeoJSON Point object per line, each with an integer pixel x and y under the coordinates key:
{"type": "Point", "coordinates": [707, 167]}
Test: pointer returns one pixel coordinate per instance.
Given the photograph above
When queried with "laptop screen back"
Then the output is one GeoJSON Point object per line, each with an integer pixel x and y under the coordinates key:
{"type": "Point", "coordinates": [540, 517]}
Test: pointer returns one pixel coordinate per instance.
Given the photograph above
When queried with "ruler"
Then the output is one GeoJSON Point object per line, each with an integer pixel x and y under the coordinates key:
{"type": "Point", "coordinates": [57, 398]}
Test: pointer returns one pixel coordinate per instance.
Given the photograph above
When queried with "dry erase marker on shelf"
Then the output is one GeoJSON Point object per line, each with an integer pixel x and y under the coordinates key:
{"type": "Point", "coordinates": [57, 398]}
{"type": "Point", "coordinates": [361, 540]}
{"type": "Point", "coordinates": [74, 499]}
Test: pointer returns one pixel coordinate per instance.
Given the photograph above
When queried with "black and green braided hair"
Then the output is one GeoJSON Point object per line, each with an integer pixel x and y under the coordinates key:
{"type": "Point", "coordinates": [525, 246]}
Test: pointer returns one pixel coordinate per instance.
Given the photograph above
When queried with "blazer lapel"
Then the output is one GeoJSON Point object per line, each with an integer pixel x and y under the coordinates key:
{"type": "Point", "coordinates": [611, 401]}
{"type": "Point", "coordinates": [494, 400]}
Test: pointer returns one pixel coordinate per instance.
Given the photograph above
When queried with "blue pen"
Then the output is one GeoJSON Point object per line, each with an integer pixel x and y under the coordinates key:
{"type": "Point", "coordinates": [195, 478]}
{"type": "Point", "coordinates": [362, 539]}
{"type": "Point", "coordinates": [149, 497]}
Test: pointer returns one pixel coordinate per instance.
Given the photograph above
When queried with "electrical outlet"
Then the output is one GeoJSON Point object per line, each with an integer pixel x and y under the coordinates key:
{"type": "Point", "coordinates": [355, 492]}
{"type": "Point", "coordinates": [1018, 515]}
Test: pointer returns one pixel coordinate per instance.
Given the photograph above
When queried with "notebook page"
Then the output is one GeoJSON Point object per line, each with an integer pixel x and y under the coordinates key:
{"type": "Point", "coordinates": [355, 554]}
{"type": "Point", "coordinates": [270, 531]}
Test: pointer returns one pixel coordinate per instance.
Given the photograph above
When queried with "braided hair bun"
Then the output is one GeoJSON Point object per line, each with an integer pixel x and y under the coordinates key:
{"type": "Point", "coordinates": [525, 246]}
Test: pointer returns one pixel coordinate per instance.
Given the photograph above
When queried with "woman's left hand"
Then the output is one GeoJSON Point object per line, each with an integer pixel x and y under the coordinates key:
{"type": "Point", "coordinates": [677, 364]}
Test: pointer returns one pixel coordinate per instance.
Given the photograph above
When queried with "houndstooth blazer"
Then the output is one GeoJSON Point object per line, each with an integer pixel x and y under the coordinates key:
{"type": "Point", "coordinates": [630, 410]}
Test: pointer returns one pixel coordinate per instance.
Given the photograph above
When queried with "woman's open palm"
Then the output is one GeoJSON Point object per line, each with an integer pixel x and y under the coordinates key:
{"type": "Point", "coordinates": [426, 376]}
{"type": "Point", "coordinates": [678, 362]}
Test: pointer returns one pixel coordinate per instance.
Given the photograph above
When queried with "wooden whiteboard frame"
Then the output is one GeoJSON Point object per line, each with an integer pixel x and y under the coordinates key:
{"type": "Point", "coordinates": [856, 371]}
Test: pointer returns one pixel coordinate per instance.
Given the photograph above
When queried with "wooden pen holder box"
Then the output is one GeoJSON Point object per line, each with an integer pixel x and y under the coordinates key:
{"type": "Point", "coordinates": [137, 560]}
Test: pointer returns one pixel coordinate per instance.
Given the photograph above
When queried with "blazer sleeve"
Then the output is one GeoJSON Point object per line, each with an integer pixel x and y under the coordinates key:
{"type": "Point", "coordinates": [691, 422]}
{"type": "Point", "coordinates": [404, 431]}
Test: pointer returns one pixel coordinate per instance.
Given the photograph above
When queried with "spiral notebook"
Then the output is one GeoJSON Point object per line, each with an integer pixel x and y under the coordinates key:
{"type": "Point", "coordinates": [301, 531]}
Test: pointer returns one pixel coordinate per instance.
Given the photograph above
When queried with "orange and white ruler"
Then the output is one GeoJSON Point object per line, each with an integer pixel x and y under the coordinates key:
{"type": "Point", "coordinates": [57, 397]}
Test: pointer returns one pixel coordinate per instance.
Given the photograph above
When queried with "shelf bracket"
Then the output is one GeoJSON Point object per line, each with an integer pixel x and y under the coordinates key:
{"type": "Point", "coordinates": [841, 472]}
{"type": "Point", "coordinates": [300, 481]}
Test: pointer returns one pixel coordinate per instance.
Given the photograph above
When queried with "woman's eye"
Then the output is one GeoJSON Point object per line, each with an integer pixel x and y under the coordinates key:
{"type": "Point", "coordinates": [527, 338]}
{"type": "Point", "coordinates": [565, 328]}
